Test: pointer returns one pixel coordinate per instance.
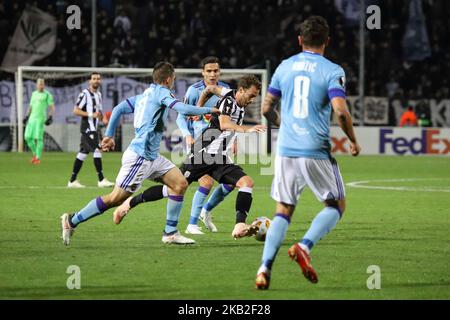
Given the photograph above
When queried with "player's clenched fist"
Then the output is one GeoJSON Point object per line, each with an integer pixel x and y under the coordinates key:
{"type": "Point", "coordinates": [108, 144]}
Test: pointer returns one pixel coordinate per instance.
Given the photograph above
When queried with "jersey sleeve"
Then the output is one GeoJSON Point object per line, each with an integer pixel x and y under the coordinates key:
{"type": "Point", "coordinates": [191, 96]}
{"type": "Point", "coordinates": [275, 87]}
{"type": "Point", "coordinates": [168, 99]}
{"type": "Point", "coordinates": [124, 107]}
{"type": "Point", "coordinates": [183, 125]}
{"type": "Point", "coordinates": [49, 99]}
{"type": "Point", "coordinates": [226, 106]}
{"type": "Point", "coordinates": [81, 101]}
{"type": "Point", "coordinates": [336, 83]}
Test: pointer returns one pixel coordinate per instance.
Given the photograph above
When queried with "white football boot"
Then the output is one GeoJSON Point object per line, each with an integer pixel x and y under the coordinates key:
{"type": "Point", "coordinates": [75, 184]}
{"type": "Point", "coordinates": [105, 183]}
{"type": "Point", "coordinates": [176, 238]}
{"type": "Point", "coordinates": [206, 218]}
{"type": "Point", "coordinates": [193, 229]}
{"type": "Point", "coordinates": [67, 230]}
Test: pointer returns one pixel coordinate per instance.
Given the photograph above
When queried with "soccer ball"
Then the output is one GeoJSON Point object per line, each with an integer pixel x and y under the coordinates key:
{"type": "Point", "coordinates": [263, 223]}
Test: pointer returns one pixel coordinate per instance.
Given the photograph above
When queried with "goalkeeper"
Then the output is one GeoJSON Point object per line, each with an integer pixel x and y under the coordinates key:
{"type": "Point", "coordinates": [35, 119]}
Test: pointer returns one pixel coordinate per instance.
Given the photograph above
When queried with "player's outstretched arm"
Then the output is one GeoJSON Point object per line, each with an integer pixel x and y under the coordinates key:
{"type": "Point", "coordinates": [211, 90]}
{"type": "Point", "coordinates": [268, 109]}
{"type": "Point", "coordinates": [124, 107]}
{"type": "Point", "coordinates": [183, 125]}
{"type": "Point", "coordinates": [190, 110]}
{"type": "Point", "coordinates": [227, 124]}
{"type": "Point", "coordinates": [345, 122]}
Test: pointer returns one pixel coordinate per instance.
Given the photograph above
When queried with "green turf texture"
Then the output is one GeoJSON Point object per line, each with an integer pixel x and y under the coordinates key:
{"type": "Point", "coordinates": [406, 233]}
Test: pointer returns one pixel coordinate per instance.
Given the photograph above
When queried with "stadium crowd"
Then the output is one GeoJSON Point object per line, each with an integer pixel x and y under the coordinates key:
{"type": "Point", "coordinates": [246, 34]}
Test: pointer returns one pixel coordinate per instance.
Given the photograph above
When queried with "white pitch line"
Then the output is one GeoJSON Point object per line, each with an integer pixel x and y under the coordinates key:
{"type": "Point", "coordinates": [362, 185]}
{"type": "Point", "coordinates": [48, 187]}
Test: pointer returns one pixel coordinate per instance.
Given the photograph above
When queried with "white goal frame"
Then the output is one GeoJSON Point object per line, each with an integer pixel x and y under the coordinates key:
{"type": "Point", "coordinates": [18, 141]}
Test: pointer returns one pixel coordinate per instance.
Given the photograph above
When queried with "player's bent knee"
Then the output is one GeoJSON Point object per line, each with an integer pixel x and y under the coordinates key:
{"type": "Point", "coordinates": [206, 182]}
{"type": "Point", "coordinates": [341, 204]}
{"type": "Point", "coordinates": [245, 181]}
{"type": "Point", "coordinates": [180, 187]}
{"type": "Point", "coordinates": [337, 204]}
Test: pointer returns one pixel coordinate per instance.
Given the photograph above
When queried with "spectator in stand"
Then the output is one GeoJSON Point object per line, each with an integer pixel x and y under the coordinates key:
{"type": "Point", "coordinates": [408, 118]}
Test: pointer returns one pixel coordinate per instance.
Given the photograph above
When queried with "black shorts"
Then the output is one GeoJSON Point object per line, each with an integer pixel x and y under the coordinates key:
{"type": "Point", "coordinates": [89, 142]}
{"type": "Point", "coordinates": [223, 171]}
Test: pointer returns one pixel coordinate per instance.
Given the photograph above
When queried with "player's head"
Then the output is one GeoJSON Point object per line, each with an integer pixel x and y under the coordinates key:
{"type": "Point", "coordinates": [210, 70]}
{"type": "Point", "coordinates": [314, 33]}
{"type": "Point", "coordinates": [248, 89]}
{"type": "Point", "coordinates": [164, 74]}
{"type": "Point", "coordinates": [40, 84]}
{"type": "Point", "coordinates": [95, 80]}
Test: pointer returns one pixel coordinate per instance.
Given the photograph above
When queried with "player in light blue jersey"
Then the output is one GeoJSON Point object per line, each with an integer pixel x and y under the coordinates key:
{"type": "Point", "coordinates": [192, 127]}
{"type": "Point", "coordinates": [309, 87]}
{"type": "Point", "coordinates": [142, 159]}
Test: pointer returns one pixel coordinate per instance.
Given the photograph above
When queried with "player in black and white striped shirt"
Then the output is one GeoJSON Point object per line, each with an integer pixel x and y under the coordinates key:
{"type": "Point", "coordinates": [210, 151]}
{"type": "Point", "coordinates": [89, 108]}
{"type": "Point", "coordinates": [209, 154]}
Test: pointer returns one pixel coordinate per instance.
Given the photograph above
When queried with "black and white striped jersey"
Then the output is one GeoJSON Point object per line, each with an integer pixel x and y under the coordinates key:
{"type": "Point", "coordinates": [217, 141]}
{"type": "Point", "coordinates": [89, 102]}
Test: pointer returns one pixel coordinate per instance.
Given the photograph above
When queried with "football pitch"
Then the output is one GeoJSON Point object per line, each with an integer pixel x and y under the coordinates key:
{"type": "Point", "coordinates": [397, 218]}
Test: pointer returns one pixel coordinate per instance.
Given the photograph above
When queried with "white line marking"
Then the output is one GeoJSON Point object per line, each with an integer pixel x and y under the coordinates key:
{"type": "Point", "coordinates": [362, 184]}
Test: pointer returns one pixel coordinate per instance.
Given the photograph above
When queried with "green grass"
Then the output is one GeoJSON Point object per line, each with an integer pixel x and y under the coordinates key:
{"type": "Point", "coordinates": [405, 233]}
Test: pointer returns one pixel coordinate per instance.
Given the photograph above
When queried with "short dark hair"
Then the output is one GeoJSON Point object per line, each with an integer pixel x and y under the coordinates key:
{"type": "Point", "coordinates": [210, 59]}
{"type": "Point", "coordinates": [162, 71]}
{"type": "Point", "coordinates": [248, 81]}
{"type": "Point", "coordinates": [94, 73]}
{"type": "Point", "coordinates": [314, 31]}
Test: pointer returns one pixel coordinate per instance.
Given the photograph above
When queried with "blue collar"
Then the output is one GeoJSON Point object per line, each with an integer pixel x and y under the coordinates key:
{"type": "Point", "coordinates": [310, 52]}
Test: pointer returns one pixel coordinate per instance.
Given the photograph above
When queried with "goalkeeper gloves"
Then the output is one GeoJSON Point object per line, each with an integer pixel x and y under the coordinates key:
{"type": "Point", "coordinates": [49, 121]}
{"type": "Point", "coordinates": [25, 120]}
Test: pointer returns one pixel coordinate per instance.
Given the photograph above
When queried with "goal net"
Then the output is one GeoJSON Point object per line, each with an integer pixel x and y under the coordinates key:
{"type": "Point", "coordinates": [65, 84]}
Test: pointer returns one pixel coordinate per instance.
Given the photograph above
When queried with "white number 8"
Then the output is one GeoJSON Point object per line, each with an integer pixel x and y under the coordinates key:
{"type": "Point", "coordinates": [301, 92]}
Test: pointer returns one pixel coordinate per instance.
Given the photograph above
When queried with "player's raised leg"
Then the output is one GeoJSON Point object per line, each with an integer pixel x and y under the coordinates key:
{"type": "Point", "coordinates": [205, 185]}
{"type": "Point", "coordinates": [218, 195]}
{"type": "Point", "coordinates": [175, 186]}
{"type": "Point", "coordinates": [243, 205]}
{"type": "Point", "coordinates": [323, 223]}
{"type": "Point", "coordinates": [94, 208]}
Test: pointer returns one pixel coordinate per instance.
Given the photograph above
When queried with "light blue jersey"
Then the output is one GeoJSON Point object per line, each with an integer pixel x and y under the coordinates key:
{"type": "Point", "coordinates": [150, 115]}
{"type": "Point", "coordinates": [306, 83]}
{"type": "Point", "coordinates": [193, 93]}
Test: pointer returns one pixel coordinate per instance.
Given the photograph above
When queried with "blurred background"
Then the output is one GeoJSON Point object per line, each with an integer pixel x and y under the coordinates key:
{"type": "Point", "coordinates": [406, 62]}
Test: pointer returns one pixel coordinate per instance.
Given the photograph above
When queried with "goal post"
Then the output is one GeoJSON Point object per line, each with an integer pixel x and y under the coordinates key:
{"type": "Point", "coordinates": [69, 73]}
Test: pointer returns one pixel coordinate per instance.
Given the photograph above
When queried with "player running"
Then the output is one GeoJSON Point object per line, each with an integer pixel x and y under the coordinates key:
{"type": "Point", "coordinates": [210, 154]}
{"type": "Point", "coordinates": [142, 159]}
{"type": "Point", "coordinates": [309, 86]}
{"type": "Point", "coordinates": [89, 108]}
{"type": "Point", "coordinates": [192, 127]}
{"type": "Point", "coordinates": [35, 119]}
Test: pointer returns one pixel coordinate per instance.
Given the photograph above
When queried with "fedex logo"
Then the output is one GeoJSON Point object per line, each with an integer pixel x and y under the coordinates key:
{"type": "Point", "coordinates": [429, 142]}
